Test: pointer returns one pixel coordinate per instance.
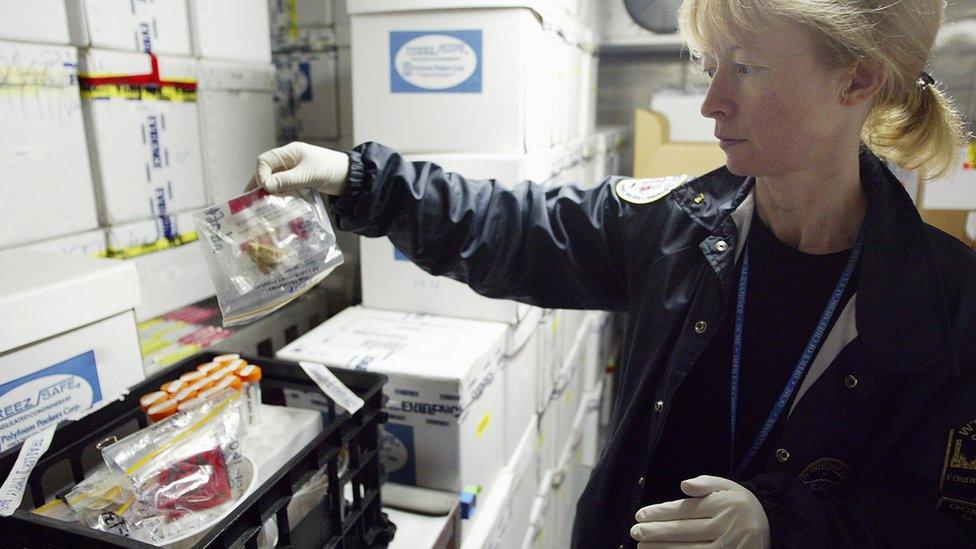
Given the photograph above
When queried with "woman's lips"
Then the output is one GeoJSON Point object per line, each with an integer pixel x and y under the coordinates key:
{"type": "Point", "coordinates": [727, 143]}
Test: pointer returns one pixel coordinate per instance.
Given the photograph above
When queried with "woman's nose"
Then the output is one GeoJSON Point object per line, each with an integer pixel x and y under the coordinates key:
{"type": "Point", "coordinates": [717, 102]}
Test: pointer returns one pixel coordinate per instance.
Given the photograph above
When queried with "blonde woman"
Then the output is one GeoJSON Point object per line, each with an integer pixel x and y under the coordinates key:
{"type": "Point", "coordinates": [798, 366]}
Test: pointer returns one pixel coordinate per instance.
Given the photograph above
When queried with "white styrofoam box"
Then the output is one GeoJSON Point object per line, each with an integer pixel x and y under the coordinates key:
{"type": "Point", "coordinates": [170, 276]}
{"type": "Point", "coordinates": [154, 26]}
{"type": "Point", "coordinates": [425, 80]}
{"type": "Point", "coordinates": [521, 372]}
{"type": "Point", "coordinates": [567, 483]}
{"type": "Point", "coordinates": [237, 120]}
{"type": "Point", "coordinates": [446, 395]}
{"type": "Point", "coordinates": [68, 373]}
{"type": "Point", "coordinates": [43, 21]}
{"type": "Point", "coordinates": [567, 397]}
{"type": "Point", "coordinates": [957, 189]}
{"type": "Point", "coordinates": [67, 337]}
{"type": "Point", "coordinates": [42, 146]}
{"type": "Point", "coordinates": [548, 436]}
{"type": "Point", "coordinates": [43, 294]}
{"type": "Point", "coordinates": [309, 94]}
{"type": "Point", "coordinates": [589, 85]}
{"type": "Point", "coordinates": [590, 428]}
{"type": "Point", "coordinates": [391, 281]}
{"type": "Point", "coordinates": [524, 468]}
{"type": "Point", "coordinates": [502, 519]}
{"type": "Point", "coordinates": [145, 146]}
{"type": "Point", "coordinates": [542, 518]}
{"type": "Point", "coordinates": [550, 358]}
{"type": "Point", "coordinates": [683, 111]}
{"type": "Point", "coordinates": [557, 53]}
{"type": "Point", "coordinates": [230, 29]}
{"type": "Point", "coordinates": [88, 243]}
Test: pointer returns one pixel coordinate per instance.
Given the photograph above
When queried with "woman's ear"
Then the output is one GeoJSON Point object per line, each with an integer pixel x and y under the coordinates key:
{"type": "Point", "coordinates": [866, 78]}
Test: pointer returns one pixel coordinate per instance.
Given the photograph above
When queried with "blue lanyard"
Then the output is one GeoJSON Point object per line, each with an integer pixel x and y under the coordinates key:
{"type": "Point", "coordinates": [801, 366]}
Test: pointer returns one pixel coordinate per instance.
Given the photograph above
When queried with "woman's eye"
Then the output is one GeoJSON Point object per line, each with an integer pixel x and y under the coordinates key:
{"type": "Point", "coordinates": [710, 72]}
{"type": "Point", "coordinates": [744, 70]}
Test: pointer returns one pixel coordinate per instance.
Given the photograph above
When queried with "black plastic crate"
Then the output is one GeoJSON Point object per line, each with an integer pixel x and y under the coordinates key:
{"type": "Point", "coordinates": [335, 523]}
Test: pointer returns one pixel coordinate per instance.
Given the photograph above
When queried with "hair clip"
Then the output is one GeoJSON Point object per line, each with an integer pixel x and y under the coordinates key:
{"type": "Point", "coordinates": [924, 80]}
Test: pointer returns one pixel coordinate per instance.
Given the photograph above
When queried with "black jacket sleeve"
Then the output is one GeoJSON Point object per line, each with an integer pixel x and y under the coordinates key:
{"type": "Point", "coordinates": [558, 248]}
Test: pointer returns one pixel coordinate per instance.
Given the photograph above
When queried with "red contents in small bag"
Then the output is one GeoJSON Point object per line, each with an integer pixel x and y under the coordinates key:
{"type": "Point", "coordinates": [196, 483]}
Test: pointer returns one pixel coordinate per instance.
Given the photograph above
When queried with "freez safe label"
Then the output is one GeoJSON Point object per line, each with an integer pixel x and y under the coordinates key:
{"type": "Point", "coordinates": [33, 402]}
{"type": "Point", "coordinates": [436, 61]}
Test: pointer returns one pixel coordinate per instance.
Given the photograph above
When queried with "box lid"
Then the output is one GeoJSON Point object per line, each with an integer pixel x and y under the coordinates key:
{"type": "Point", "coordinates": [401, 344]}
{"type": "Point", "coordinates": [36, 65]}
{"type": "Point", "coordinates": [97, 63]}
{"type": "Point", "coordinates": [43, 294]}
{"type": "Point", "coordinates": [222, 75]}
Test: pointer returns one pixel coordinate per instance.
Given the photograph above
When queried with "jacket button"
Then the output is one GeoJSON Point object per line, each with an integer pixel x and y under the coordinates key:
{"type": "Point", "coordinates": [658, 406]}
{"type": "Point", "coordinates": [782, 455]}
{"type": "Point", "coordinates": [701, 326]}
{"type": "Point", "coordinates": [850, 382]}
{"type": "Point", "coordinates": [640, 482]}
{"type": "Point", "coordinates": [721, 246]}
{"type": "Point", "coordinates": [620, 546]}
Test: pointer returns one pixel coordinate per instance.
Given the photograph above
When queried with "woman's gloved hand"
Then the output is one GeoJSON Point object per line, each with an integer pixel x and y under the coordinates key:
{"type": "Point", "coordinates": [299, 165]}
{"type": "Point", "coordinates": [719, 513]}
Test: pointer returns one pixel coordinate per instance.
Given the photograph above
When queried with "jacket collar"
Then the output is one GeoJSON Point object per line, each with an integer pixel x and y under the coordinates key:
{"type": "Point", "coordinates": [902, 318]}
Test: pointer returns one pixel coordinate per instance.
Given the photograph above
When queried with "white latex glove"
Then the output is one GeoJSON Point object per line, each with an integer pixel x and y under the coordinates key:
{"type": "Point", "coordinates": [299, 165]}
{"type": "Point", "coordinates": [720, 513]}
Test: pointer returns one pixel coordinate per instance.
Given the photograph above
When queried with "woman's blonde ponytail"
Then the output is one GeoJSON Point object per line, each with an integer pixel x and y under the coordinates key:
{"type": "Point", "coordinates": [920, 131]}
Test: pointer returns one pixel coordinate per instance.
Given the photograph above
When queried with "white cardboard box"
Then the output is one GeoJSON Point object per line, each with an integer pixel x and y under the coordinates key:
{"type": "Point", "coordinates": [449, 80]}
{"type": "Point", "coordinates": [237, 120]}
{"type": "Point", "coordinates": [231, 29]}
{"type": "Point", "coordinates": [47, 185]}
{"type": "Point", "coordinates": [521, 372]}
{"type": "Point", "coordinates": [568, 395]}
{"type": "Point", "coordinates": [42, 21]}
{"type": "Point", "coordinates": [524, 468]}
{"type": "Point", "coordinates": [160, 26]}
{"type": "Point", "coordinates": [502, 518]}
{"type": "Point", "coordinates": [67, 337]}
{"type": "Point", "coordinates": [568, 483]}
{"type": "Point", "coordinates": [446, 394]}
{"type": "Point", "coordinates": [548, 437]}
{"type": "Point", "coordinates": [172, 274]}
{"type": "Point", "coordinates": [146, 150]}
{"type": "Point", "coordinates": [391, 281]}
{"type": "Point", "coordinates": [88, 244]}
{"type": "Point", "coordinates": [542, 518]}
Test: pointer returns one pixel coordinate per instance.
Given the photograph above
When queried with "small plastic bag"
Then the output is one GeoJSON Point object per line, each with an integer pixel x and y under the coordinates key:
{"type": "Point", "coordinates": [185, 471]}
{"type": "Point", "coordinates": [265, 250]}
{"type": "Point", "coordinates": [104, 501]}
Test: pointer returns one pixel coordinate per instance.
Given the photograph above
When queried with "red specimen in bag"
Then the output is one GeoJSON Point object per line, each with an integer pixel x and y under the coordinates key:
{"type": "Point", "coordinates": [196, 483]}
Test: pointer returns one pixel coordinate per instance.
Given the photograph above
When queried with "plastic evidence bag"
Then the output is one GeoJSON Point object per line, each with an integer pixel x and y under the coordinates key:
{"type": "Point", "coordinates": [264, 250]}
